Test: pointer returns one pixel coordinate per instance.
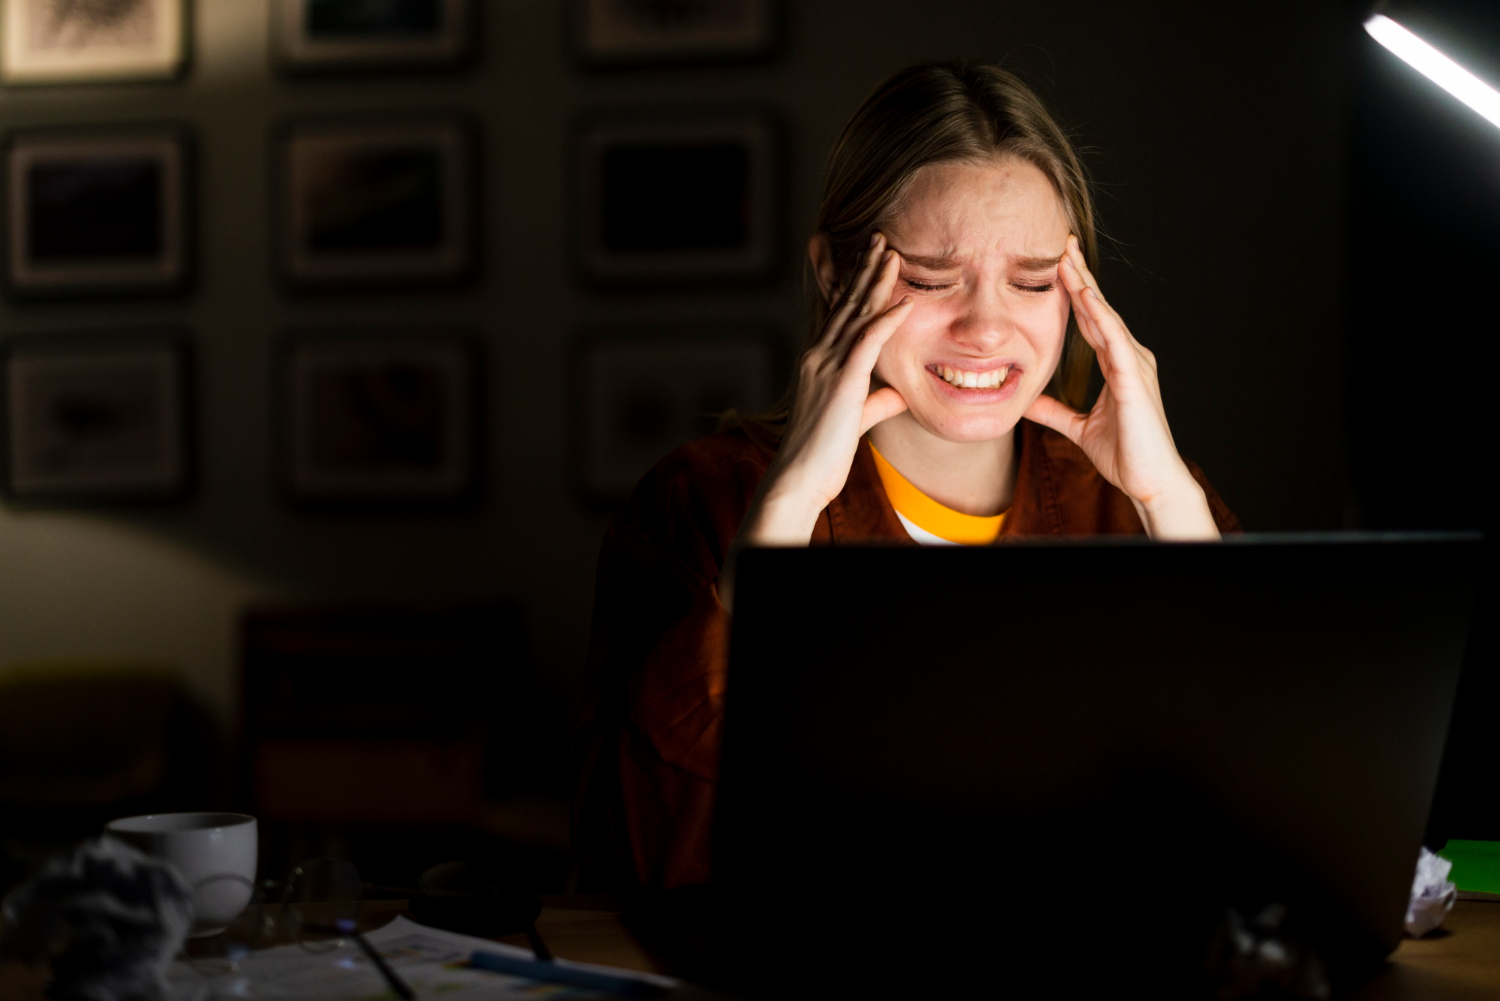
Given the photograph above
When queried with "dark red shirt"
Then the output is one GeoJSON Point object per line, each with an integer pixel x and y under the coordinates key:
{"type": "Point", "coordinates": [649, 716]}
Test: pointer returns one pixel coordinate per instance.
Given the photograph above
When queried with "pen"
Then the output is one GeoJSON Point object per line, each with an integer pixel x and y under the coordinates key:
{"type": "Point", "coordinates": [538, 947]}
{"type": "Point", "coordinates": [397, 985]}
{"type": "Point", "coordinates": [533, 969]}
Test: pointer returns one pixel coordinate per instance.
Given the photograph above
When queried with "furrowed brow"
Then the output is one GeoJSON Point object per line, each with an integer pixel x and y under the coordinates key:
{"type": "Point", "coordinates": [944, 262]}
{"type": "Point", "coordinates": [935, 262]}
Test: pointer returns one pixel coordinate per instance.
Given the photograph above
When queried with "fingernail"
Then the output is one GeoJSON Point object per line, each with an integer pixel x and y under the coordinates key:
{"type": "Point", "coordinates": [1089, 290]}
{"type": "Point", "coordinates": [874, 238]}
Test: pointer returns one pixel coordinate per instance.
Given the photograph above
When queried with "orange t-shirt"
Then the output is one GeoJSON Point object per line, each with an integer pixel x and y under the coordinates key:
{"type": "Point", "coordinates": [929, 522]}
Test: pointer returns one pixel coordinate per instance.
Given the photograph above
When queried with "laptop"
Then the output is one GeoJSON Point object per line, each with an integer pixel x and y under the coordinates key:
{"type": "Point", "coordinates": [1074, 765]}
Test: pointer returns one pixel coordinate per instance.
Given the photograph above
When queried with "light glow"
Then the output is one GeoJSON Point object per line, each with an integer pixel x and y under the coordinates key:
{"type": "Point", "coordinates": [1436, 67]}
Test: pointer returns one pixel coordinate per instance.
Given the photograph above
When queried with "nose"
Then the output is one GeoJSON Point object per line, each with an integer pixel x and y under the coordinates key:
{"type": "Point", "coordinates": [984, 323]}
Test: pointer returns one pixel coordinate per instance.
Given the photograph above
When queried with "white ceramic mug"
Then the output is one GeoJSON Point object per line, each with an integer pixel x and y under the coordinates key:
{"type": "Point", "coordinates": [215, 852]}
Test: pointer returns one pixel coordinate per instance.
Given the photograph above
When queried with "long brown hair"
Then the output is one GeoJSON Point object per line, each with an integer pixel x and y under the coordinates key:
{"type": "Point", "coordinates": [940, 113]}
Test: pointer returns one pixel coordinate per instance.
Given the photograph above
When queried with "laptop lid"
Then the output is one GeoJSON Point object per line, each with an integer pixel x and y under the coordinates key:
{"type": "Point", "coordinates": [1124, 739]}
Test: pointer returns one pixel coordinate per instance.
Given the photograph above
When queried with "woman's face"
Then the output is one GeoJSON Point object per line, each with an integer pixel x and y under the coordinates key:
{"type": "Point", "coordinates": [979, 246]}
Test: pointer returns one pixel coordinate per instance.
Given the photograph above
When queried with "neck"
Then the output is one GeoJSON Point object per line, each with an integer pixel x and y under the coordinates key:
{"type": "Point", "coordinates": [972, 477]}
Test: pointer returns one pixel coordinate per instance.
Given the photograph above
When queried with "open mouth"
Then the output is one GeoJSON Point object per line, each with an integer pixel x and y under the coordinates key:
{"type": "Point", "coordinates": [965, 379]}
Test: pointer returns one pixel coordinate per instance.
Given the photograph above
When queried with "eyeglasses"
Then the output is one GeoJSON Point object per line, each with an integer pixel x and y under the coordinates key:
{"type": "Point", "coordinates": [320, 904]}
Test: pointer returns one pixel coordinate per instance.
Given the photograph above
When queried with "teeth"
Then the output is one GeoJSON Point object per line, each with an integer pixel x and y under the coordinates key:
{"type": "Point", "coordinates": [973, 380]}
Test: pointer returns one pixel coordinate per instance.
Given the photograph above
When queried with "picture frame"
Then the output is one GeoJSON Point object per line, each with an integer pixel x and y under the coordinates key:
{"type": "Point", "coordinates": [98, 211]}
{"type": "Point", "coordinates": [337, 36]}
{"type": "Point", "coordinates": [624, 33]}
{"type": "Point", "coordinates": [641, 392]}
{"type": "Point", "coordinates": [97, 417]}
{"type": "Point", "coordinates": [380, 417]}
{"type": "Point", "coordinates": [64, 42]}
{"type": "Point", "coordinates": [377, 202]}
{"type": "Point", "coordinates": [677, 197]}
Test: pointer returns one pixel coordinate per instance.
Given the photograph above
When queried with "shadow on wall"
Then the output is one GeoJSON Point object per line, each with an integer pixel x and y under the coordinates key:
{"type": "Point", "coordinates": [84, 742]}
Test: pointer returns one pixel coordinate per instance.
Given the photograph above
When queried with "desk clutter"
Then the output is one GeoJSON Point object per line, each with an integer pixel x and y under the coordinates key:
{"type": "Point", "coordinates": [117, 922]}
{"type": "Point", "coordinates": [1432, 894]}
{"type": "Point", "coordinates": [431, 962]}
{"type": "Point", "coordinates": [106, 917]}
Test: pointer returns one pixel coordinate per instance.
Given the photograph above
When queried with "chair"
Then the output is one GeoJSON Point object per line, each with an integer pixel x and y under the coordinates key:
{"type": "Point", "coordinates": [82, 742]}
{"type": "Point", "coordinates": [377, 714]}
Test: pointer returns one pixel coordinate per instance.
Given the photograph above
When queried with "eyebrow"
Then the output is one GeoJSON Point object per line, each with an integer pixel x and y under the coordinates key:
{"type": "Point", "coordinates": [942, 262]}
{"type": "Point", "coordinates": [939, 263]}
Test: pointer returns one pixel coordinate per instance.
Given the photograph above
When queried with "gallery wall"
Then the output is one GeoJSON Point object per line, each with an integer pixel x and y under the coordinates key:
{"type": "Point", "coordinates": [1216, 142]}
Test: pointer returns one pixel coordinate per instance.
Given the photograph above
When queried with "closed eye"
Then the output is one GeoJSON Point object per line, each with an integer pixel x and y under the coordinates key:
{"type": "Point", "coordinates": [1044, 287]}
{"type": "Point", "coordinates": [928, 286]}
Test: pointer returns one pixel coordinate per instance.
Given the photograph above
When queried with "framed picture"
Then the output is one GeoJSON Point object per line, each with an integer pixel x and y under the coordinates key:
{"type": "Point", "coordinates": [629, 32]}
{"type": "Point", "coordinates": [98, 417]}
{"type": "Point", "coordinates": [643, 393]}
{"type": "Point", "coordinates": [85, 41]}
{"type": "Point", "coordinates": [380, 417]}
{"type": "Point", "coordinates": [377, 202]}
{"type": "Point", "coordinates": [98, 211]}
{"type": "Point", "coordinates": [677, 198]}
{"type": "Point", "coordinates": [313, 36]}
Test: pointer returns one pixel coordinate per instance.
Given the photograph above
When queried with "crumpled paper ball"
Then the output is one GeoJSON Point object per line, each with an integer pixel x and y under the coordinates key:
{"type": "Point", "coordinates": [1432, 894]}
{"type": "Point", "coordinates": [117, 916]}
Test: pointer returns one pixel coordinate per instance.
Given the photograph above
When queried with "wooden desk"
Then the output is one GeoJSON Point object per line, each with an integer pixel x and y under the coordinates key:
{"type": "Point", "coordinates": [589, 929]}
{"type": "Point", "coordinates": [1460, 963]}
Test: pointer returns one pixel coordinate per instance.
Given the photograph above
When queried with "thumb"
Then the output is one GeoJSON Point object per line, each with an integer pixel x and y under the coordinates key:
{"type": "Point", "coordinates": [1058, 416]}
{"type": "Point", "coordinates": [881, 405]}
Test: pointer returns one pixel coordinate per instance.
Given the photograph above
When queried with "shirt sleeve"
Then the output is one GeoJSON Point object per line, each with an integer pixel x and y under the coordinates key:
{"type": "Point", "coordinates": [647, 733]}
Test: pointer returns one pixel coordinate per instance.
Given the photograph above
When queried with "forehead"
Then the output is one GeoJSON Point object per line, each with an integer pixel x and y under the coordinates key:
{"type": "Point", "coordinates": [1004, 205]}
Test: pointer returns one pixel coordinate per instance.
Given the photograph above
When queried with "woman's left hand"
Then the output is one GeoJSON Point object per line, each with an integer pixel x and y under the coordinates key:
{"type": "Point", "coordinates": [1126, 435]}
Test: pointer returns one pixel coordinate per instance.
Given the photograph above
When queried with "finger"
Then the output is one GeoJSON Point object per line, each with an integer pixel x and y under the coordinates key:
{"type": "Point", "coordinates": [1074, 256]}
{"type": "Point", "coordinates": [875, 300]}
{"type": "Point", "coordinates": [1073, 281]}
{"type": "Point", "coordinates": [1081, 265]}
{"type": "Point", "coordinates": [1110, 327]}
{"type": "Point", "coordinates": [1058, 416]}
{"type": "Point", "coordinates": [879, 294]}
{"type": "Point", "coordinates": [881, 405]}
{"type": "Point", "coordinates": [1101, 326]}
{"type": "Point", "coordinates": [851, 299]}
{"type": "Point", "coordinates": [865, 348]}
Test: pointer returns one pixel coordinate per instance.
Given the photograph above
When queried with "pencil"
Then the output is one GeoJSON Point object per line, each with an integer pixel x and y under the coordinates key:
{"type": "Point", "coordinates": [397, 985]}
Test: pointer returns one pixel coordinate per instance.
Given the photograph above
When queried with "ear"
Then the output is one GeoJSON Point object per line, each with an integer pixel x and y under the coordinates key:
{"type": "Point", "coordinates": [820, 253]}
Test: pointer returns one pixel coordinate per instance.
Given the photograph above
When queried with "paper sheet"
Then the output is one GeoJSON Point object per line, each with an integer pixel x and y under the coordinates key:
{"type": "Point", "coordinates": [429, 960]}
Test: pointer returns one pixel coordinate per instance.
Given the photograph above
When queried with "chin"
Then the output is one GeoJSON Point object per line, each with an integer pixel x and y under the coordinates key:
{"type": "Point", "coordinates": [986, 425]}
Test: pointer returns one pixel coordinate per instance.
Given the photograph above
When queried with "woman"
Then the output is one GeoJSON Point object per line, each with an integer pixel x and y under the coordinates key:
{"type": "Point", "coordinates": [956, 320]}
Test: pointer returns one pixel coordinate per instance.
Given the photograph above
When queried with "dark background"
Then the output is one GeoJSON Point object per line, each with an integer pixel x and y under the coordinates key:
{"type": "Point", "coordinates": [1297, 225]}
{"type": "Point", "coordinates": [1424, 196]}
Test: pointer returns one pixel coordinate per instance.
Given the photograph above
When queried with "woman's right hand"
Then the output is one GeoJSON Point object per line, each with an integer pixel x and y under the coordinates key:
{"type": "Point", "coordinates": [831, 408]}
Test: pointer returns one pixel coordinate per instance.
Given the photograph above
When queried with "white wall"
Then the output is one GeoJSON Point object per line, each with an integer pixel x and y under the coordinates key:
{"type": "Point", "coordinates": [1218, 146]}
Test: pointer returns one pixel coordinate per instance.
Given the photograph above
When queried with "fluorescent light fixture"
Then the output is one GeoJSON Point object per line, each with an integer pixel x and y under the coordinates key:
{"type": "Point", "coordinates": [1436, 67]}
